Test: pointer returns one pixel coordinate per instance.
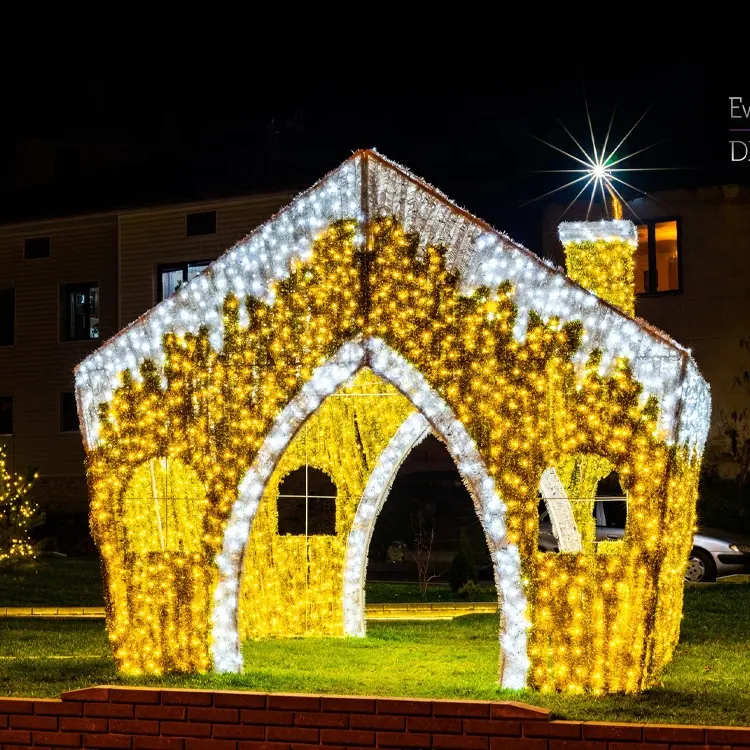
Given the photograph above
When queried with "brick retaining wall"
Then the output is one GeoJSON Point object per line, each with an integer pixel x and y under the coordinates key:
{"type": "Point", "coordinates": [121, 718]}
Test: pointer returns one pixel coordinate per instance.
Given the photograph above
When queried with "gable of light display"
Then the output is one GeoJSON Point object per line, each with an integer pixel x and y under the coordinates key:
{"type": "Point", "coordinates": [476, 252]}
{"type": "Point", "coordinates": [522, 374]}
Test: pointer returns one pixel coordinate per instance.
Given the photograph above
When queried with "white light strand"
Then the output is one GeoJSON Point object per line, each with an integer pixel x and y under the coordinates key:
{"type": "Point", "coordinates": [250, 267]}
{"type": "Point", "coordinates": [226, 649]}
{"type": "Point", "coordinates": [412, 431]}
{"type": "Point", "coordinates": [560, 512]}
{"type": "Point", "coordinates": [485, 257]}
{"type": "Point", "coordinates": [695, 415]}
{"type": "Point", "coordinates": [491, 510]}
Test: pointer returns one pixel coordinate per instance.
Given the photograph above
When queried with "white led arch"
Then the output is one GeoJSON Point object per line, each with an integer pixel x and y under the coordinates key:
{"type": "Point", "coordinates": [225, 649]}
{"type": "Point", "coordinates": [414, 429]}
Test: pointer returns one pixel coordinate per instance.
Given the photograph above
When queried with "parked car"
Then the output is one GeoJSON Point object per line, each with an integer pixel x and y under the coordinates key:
{"type": "Point", "coordinates": [715, 552]}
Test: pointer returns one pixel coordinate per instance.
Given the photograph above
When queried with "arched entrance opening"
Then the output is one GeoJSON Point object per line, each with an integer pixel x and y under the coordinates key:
{"type": "Point", "coordinates": [293, 569]}
{"type": "Point", "coordinates": [264, 475]}
{"type": "Point", "coordinates": [429, 520]}
{"type": "Point", "coordinates": [428, 525]}
{"type": "Point", "coordinates": [428, 532]}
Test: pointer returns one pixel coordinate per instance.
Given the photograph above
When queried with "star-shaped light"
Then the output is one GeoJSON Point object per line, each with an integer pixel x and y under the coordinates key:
{"type": "Point", "coordinates": [599, 169]}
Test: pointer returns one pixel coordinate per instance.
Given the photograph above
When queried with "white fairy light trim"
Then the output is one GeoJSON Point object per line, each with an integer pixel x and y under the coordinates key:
{"type": "Point", "coordinates": [490, 508]}
{"type": "Point", "coordinates": [249, 268]}
{"type": "Point", "coordinates": [413, 430]}
{"type": "Point", "coordinates": [694, 399]}
{"type": "Point", "coordinates": [560, 512]}
{"type": "Point", "coordinates": [393, 368]}
{"type": "Point", "coordinates": [616, 230]}
{"type": "Point", "coordinates": [483, 256]}
{"type": "Point", "coordinates": [225, 646]}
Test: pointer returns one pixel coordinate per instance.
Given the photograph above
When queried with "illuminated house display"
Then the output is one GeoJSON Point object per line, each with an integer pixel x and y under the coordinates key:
{"type": "Point", "coordinates": [198, 415]}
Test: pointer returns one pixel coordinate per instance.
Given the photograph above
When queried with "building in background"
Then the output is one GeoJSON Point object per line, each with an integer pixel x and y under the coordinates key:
{"type": "Point", "coordinates": [68, 284]}
{"type": "Point", "coordinates": [693, 282]}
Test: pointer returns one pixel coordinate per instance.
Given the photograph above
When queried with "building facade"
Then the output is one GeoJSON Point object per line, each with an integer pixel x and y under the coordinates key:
{"type": "Point", "coordinates": [68, 284]}
{"type": "Point", "coordinates": [692, 282]}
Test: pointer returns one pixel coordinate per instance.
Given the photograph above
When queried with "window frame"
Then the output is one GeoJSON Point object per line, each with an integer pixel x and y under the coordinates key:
{"type": "Point", "coordinates": [11, 289]}
{"type": "Point", "coordinates": [77, 430]}
{"type": "Point", "coordinates": [12, 420]}
{"type": "Point", "coordinates": [202, 234]}
{"type": "Point", "coordinates": [304, 500]}
{"type": "Point", "coordinates": [180, 265]}
{"type": "Point", "coordinates": [650, 225]}
{"type": "Point", "coordinates": [38, 237]}
{"type": "Point", "coordinates": [62, 320]}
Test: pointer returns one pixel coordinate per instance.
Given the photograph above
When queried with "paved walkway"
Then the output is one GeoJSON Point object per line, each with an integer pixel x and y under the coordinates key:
{"type": "Point", "coordinates": [405, 611]}
{"type": "Point", "coordinates": [411, 611]}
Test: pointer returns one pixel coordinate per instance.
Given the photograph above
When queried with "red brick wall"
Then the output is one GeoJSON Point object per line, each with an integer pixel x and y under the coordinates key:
{"type": "Point", "coordinates": [119, 718]}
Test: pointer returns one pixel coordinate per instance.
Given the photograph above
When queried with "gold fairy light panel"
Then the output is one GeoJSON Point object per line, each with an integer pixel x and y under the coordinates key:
{"type": "Point", "coordinates": [366, 315]}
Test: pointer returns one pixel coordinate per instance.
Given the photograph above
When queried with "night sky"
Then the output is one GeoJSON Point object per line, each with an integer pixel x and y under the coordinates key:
{"type": "Point", "coordinates": [192, 123]}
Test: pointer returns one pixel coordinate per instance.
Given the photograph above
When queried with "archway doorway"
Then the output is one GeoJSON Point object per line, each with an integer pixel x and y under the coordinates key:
{"type": "Point", "coordinates": [398, 373]}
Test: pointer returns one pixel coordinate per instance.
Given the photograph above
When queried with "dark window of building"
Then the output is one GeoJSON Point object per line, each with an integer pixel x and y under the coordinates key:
{"type": "Point", "coordinates": [7, 317]}
{"type": "Point", "coordinates": [6, 415]}
{"type": "Point", "coordinates": [36, 247]}
{"type": "Point", "coordinates": [307, 503]}
{"type": "Point", "coordinates": [658, 261]}
{"type": "Point", "coordinates": [203, 222]}
{"type": "Point", "coordinates": [79, 311]}
{"type": "Point", "coordinates": [173, 276]}
{"type": "Point", "coordinates": [68, 413]}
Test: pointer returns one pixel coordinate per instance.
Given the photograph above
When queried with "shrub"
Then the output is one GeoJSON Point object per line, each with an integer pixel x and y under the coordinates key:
{"type": "Point", "coordinates": [469, 591]}
{"type": "Point", "coordinates": [463, 566]}
{"type": "Point", "coordinates": [395, 552]}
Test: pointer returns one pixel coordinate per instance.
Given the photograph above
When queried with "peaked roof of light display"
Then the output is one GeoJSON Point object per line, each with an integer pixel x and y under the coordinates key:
{"type": "Point", "coordinates": [365, 186]}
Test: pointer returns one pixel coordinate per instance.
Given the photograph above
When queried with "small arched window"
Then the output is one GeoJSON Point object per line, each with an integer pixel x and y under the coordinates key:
{"type": "Point", "coordinates": [163, 506]}
{"type": "Point", "coordinates": [307, 503]}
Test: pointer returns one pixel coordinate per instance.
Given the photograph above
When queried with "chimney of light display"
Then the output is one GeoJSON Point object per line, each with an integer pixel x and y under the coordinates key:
{"type": "Point", "coordinates": [599, 255]}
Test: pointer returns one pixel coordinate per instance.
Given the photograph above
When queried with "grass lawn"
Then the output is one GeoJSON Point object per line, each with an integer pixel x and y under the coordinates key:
{"type": "Point", "coordinates": [53, 581]}
{"type": "Point", "coordinates": [65, 581]}
{"type": "Point", "coordinates": [707, 683]}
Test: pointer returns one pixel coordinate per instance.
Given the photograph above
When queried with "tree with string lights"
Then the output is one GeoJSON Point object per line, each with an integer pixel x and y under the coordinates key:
{"type": "Point", "coordinates": [18, 515]}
